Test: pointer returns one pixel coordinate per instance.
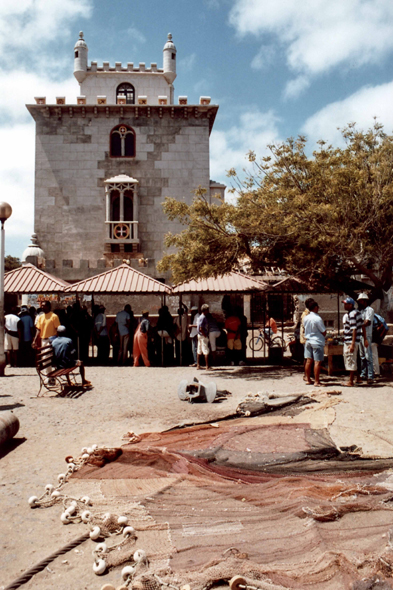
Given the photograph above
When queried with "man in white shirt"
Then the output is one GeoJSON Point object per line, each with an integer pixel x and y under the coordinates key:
{"type": "Point", "coordinates": [366, 353]}
{"type": "Point", "coordinates": [314, 332]}
{"type": "Point", "coordinates": [12, 328]}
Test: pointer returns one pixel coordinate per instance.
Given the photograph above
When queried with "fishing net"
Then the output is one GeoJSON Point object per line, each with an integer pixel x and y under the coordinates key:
{"type": "Point", "coordinates": [278, 504]}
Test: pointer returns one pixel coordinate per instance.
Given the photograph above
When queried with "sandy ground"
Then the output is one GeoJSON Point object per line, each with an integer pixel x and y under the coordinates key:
{"type": "Point", "coordinates": [139, 400]}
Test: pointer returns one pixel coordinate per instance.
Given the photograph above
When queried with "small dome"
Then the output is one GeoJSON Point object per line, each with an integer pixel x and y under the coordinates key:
{"type": "Point", "coordinates": [169, 44]}
{"type": "Point", "coordinates": [81, 42]}
{"type": "Point", "coordinates": [33, 250]}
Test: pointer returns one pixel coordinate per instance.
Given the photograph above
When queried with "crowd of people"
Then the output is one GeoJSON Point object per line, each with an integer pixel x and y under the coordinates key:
{"type": "Point", "coordinates": [363, 330]}
{"type": "Point", "coordinates": [193, 337]}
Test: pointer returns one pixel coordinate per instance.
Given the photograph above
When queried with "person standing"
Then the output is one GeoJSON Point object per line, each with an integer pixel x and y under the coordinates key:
{"type": "Point", "coordinates": [46, 327]}
{"type": "Point", "coordinates": [314, 332]}
{"type": "Point", "coordinates": [27, 335]}
{"type": "Point", "coordinates": [234, 343]}
{"type": "Point", "coordinates": [141, 340]}
{"type": "Point", "coordinates": [193, 327]}
{"type": "Point", "coordinates": [181, 331]}
{"type": "Point", "coordinates": [366, 353]}
{"type": "Point", "coordinates": [203, 337]}
{"type": "Point", "coordinates": [101, 331]}
{"type": "Point", "coordinates": [12, 328]}
{"type": "Point", "coordinates": [122, 320]}
{"type": "Point", "coordinates": [214, 333]}
{"type": "Point", "coordinates": [353, 329]}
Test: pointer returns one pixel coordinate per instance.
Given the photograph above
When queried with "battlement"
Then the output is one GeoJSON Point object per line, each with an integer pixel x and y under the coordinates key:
{"type": "Point", "coordinates": [140, 100]}
{"type": "Point", "coordinates": [129, 67]}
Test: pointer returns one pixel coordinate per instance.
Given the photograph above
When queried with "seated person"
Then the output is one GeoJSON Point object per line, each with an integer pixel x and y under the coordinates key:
{"type": "Point", "coordinates": [64, 354]}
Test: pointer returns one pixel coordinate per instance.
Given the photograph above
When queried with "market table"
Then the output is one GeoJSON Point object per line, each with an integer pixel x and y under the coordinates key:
{"type": "Point", "coordinates": [332, 350]}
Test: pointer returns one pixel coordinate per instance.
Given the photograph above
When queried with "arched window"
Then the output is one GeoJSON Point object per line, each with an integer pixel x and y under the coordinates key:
{"type": "Point", "coordinates": [128, 90]}
{"type": "Point", "coordinates": [122, 142]}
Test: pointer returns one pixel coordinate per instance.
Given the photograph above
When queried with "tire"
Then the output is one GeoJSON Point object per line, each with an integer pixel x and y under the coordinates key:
{"type": "Point", "coordinates": [256, 343]}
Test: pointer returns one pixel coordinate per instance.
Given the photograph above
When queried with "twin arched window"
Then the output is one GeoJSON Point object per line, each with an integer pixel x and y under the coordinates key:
{"type": "Point", "coordinates": [128, 90]}
{"type": "Point", "coordinates": [122, 142]}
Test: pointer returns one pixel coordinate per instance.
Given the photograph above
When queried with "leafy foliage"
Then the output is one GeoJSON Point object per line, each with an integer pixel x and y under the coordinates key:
{"type": "Point", "coordinates": [323, 218]}
{"type": "Point", "coordinates": [11, 262]}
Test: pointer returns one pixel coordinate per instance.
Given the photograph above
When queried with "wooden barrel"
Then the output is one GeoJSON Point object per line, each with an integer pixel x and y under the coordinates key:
{"type": "Point", "coordinates": [9, 426]}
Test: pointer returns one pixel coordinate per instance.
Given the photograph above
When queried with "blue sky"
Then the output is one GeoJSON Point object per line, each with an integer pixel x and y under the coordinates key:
{"type": "Point", "coordinates": [277, 68]}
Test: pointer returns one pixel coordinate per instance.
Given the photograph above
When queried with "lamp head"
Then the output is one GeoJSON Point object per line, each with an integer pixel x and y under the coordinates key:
{"type": "Point", "coordinates": [5, 211]}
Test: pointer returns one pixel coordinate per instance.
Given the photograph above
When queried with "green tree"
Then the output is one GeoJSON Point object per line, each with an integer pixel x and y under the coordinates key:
{"type": "Point", "coordinates": [324, 218]}
{"type": "Point", "coordinates": [10, 262]}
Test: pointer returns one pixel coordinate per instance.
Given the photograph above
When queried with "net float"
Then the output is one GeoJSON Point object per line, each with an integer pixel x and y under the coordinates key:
{"type": "Point", "coordinates": [99, 567]}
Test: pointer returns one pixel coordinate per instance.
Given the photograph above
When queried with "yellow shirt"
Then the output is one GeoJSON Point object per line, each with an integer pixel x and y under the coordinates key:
{"type": "Point", "coordinates": [47, 324]}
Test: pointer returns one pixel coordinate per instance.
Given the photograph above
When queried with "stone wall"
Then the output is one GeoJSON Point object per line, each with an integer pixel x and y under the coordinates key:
{"type": "Point", "coordinates": [105, 84]}
{"type": "Point", "coordinates": [72, 161]}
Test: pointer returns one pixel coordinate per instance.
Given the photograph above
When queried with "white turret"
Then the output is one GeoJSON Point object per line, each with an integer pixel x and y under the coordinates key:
{"type": "Point", "coordinates": [169, 60]}
{"type": "Point", "coordinates": [80, 59]}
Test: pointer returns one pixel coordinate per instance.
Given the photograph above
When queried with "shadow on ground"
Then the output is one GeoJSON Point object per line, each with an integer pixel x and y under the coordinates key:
{"type": "Point", "coordinates": [10, 445]}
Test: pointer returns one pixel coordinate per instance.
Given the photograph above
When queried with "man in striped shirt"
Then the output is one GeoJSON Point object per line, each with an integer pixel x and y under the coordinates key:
{"type": "Point", "coordinates": [353, 330]}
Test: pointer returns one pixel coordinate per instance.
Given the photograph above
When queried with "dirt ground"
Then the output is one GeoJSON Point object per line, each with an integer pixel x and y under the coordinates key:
{"type": "Point", "coordinates": [139, 400]}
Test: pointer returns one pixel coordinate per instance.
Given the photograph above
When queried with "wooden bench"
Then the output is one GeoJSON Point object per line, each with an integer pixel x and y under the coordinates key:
{"type": "Point", "coordinates": [55, 379]}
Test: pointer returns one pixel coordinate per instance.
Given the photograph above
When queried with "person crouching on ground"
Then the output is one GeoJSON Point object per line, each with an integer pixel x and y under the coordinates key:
{"type": "Point", "coordinates": [203, 337]}
{"type": "Point", "coordinates": [353, 329]}
{"type": "Point", "coordinates": [64, 354]}
{"type": "Point", "coordinates": [314, 332]}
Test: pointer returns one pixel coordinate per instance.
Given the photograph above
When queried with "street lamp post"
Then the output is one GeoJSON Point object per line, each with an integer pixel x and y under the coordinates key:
{"type": "Point", "coordinates": [5, 213]}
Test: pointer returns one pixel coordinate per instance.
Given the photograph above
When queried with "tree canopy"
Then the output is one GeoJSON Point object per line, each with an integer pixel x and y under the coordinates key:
{"type": "Point", "coordinates": [11, 262]}
{"type": "Point", "coordinates": [323, 218]}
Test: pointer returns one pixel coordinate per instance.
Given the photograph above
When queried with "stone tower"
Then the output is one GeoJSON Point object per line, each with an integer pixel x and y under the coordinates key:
{"type": "Point", "coordinates": [106, 161]}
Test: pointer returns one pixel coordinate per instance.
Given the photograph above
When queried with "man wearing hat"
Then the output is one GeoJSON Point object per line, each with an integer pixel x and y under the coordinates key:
{"type": "Point", "coordinates": [366, 353]}
{"type": "Point", "coordinates": [353, 329]}
{"type": "Point", "coordinates": [64, 354]}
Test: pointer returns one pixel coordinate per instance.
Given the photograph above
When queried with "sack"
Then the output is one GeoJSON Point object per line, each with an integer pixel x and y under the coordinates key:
{"type": "Point", "coordinates": [380, 329]}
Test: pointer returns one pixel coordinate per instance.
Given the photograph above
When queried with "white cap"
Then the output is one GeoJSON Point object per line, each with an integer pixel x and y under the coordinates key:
{"type": "Point", "coordinates": [363, 296]}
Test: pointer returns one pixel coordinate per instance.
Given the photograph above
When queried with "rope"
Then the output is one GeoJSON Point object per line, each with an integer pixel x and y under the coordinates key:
{"type": "Point", "coordinates": [42, 564]}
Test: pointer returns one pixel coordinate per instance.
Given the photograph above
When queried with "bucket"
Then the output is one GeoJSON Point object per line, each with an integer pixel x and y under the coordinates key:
{"type": "Point", "coordinates": [9, 426]}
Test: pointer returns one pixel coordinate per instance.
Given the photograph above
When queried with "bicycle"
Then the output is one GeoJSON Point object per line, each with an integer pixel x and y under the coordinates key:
{"type": "Point", "coordinates": [257, 342]}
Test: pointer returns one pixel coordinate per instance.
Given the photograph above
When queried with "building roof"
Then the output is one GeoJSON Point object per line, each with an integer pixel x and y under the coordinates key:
{"type": "Point", "coordinates": [29, 279]}
{"type": "Point", "coordinates": [122, 279]}
{"type": "Point", "coordinates": [121, 178]}
{"type": "Point", "coordinates": [233, 282]}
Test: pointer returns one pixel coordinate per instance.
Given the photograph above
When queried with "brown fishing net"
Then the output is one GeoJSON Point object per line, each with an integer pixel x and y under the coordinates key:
{"type": "Point", "coordinates": [278, 504]}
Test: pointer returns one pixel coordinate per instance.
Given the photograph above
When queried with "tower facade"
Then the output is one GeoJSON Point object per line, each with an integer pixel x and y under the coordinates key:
{"type": "Point", "coordinates": [106, 161]}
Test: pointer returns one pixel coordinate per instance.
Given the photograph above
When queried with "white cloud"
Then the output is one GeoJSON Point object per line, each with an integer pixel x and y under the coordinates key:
{"type": "Point", "coordinates": [295, 87]}
{"type": "Point", "coordinates": [29, 67]}
{"type": "Point", "coordinates": [35, 23]}
{"type": "Point", "coordinates": [228, 149]}
{"type": "Point", "coordinates": [17, 178]}
{"type": "Point", "coordinates": [264, 57]}
{"type": "Point", "coordinates": [361, 108]}
{"type": "Point", "coordinates": [20, 88]}
{"type": "Point", "coordinates": [318, 35]}
{"type": "Point", "coordinates": [187, 62]}
{"type": "Point", "coordinates": [136, 36]}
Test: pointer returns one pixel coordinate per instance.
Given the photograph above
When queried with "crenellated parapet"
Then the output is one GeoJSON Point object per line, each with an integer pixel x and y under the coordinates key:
{"type": "Point", "coordinates": [138, 111]}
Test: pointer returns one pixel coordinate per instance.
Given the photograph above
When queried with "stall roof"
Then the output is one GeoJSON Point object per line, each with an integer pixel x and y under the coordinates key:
{"type": "Point", "coordinates": [30, 279]}
{"type": "Point", "coordinates": [233, 282]}
{"type": "Point", "coordinates": [122, 279]}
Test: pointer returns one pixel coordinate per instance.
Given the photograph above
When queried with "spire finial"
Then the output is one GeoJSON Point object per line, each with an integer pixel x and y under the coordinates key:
{"type": "Point", "coordinates": [169, 36]}
{"type": "Point", "coordinates": [81, 35]}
